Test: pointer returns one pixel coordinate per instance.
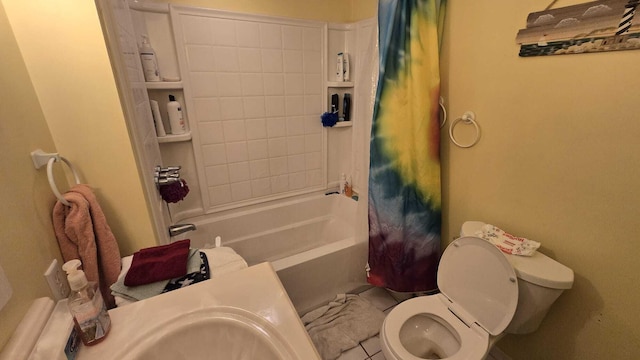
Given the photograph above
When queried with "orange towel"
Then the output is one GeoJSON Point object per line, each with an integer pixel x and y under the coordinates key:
{"type": "Point", "coordinates": [83, 233]}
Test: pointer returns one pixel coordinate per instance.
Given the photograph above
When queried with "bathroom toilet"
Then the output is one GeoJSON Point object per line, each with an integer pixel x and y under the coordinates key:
{"type": "Point", "coordinates": [484, 295]}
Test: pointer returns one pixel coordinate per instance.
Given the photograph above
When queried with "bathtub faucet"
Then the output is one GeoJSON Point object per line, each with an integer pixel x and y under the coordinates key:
{"type": "Point", "coordinates": [180, 228]}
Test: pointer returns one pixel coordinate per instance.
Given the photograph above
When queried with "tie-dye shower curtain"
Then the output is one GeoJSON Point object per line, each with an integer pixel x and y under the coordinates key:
{"type": "Point", "coordinates": [404, 177]}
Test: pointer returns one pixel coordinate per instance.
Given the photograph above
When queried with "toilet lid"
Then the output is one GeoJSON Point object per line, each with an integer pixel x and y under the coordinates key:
{"type": "Point", "coordinates": [479, 281]}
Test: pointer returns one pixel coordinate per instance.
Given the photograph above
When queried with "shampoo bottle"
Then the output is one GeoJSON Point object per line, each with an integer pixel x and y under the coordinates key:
{"type": "Point", "coordinates": [340, 67]}
{"type": "Point", "coordinates": [87, 307]}
{"type": "Point", "coordinates": [176, 121]}
{"type": "Point", "coordinates": [149, 61]}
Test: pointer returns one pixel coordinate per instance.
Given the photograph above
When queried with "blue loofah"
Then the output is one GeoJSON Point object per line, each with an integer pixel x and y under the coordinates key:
{"type": "Point", "coordinates": [329, 119]}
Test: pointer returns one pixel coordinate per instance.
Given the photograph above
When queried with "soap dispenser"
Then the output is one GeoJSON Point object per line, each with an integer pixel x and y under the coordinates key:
{"type": "Point", "coordinates": [86, 305]}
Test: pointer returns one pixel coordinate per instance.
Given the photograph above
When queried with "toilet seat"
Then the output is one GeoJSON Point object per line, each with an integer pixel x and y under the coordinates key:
{"type": "Point", "coordinates": [474, 342]}
{"type": "Point", "coordinates": [479, 296]}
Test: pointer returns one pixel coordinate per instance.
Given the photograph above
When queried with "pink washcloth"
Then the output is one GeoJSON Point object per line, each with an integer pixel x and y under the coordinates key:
{"type": "Point", "coordinates": [158, 263]}
{"type": "Point", "coordinates": [508, 243]}
{"type": "Point", "coordinates": [83, 233]}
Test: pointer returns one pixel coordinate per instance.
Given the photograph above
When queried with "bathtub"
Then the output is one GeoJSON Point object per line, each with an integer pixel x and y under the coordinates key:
{"type": "Point", "coordinates": [311, 242]}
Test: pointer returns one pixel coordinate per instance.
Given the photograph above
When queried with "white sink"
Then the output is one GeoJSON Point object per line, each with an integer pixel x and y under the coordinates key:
{"type": "Point", "coordinates": [243, 315]}
{"type": "Point", "coordinates": [216, 333]}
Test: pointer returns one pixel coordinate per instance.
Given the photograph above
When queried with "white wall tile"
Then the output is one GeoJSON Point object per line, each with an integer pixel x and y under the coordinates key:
{"type": "Point", "coordinates": [295, 125]}
{"type": "Point", "coordinates": [224, 32]}
{"type": "Point", "coordinates": [279, 183]}
{"type": "Point", "coordinates": [248, 34]}
{"type": "Point", "coordinates": [296, 163]}
{"type": "Point", "coordinates": [261, 187]}
{"type": "Point", "coordinates": [234, 130]}
{"type": "Point", "coordinates": [312, 124]}
{"type": "Point", "coordinates": [217, 175]}
{"type": "Point", "coordinates": [292, 37]}
{"type": "Point", "coordinates": [219, 195]}
{"type": "Point", "coordinates": [249, 60]}
{"type": "Point", "coordinates": [206, 109]}
{"type": "Point", "coordinates": [314, 177]}
{"type": "Point", "coordinates": [292, 60]}
{"type": "Point", "coordinates": [273, 84]}
{"type": "Point", "coordinates": [297, 180]}
{"type": "Point", "coordinates": [312, 62]}
{"type": "Point", "coordinates": [312, 39]}
{"type": "Point", "coordinates": [239, 172]}
{"type": "Point", "coordinates": [211, 132]}
{"type": "Point", "coordinates": [278, 165]}
{"type": "Point", "coordinates": [256, 129]}
{"type": "Point", "coordinates": [254, 107]}
{"type": "Point", "coordinates": [258, 149]}
{"type": "Point", "coordinates": [295, 145]}
{"type": "Point", "coordinates": [294, 84]}
{"type": "Point", "coordinates": [270, 36]}
{"type": "Point", "coordinates": [276, 127]}
{"type": "Point", "coordinates": [241, 191]}
{"type": "Point", "coordinates": [203, 84]}
{"type": "Point", "coordinates": [272, 61]}
{"type": "Point", "coordinates": [200, 57]}
{"type": "Point", "coordinates": [237, 151]}
{"type": "Point", "coordinates": [229, 84]}
{"type": "Point", "coordinates": [225, 59]}
{"type": "Point", "coordinates": [313, 142]}
{"type": "Point", "coordinates": [231, 108]}
{"type": "Point", "coordinates": [274, 106]}
{"type": "Point", "coordinates": [294, 105]}
{"type": "Point", "coordinates": [313, 160]}
{"type": "Point", "coordinates": [277, 147]}
{"type": "Point", "coordinates": [259, 168]}
{"type": "Point", "coordinates": [313, 85]}
{"type": "Point", "coordinates": [197, 30]}
{"type": "Point", "coordinates": [313, 105]}
{"type": "Point", "coordinates": [252, 84]}
{"type": "Point", "coordinates": [214, 154]}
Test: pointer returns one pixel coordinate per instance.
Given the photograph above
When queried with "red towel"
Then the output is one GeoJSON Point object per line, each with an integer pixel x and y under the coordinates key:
{"type": "Point", "coordinates": [158, 263]}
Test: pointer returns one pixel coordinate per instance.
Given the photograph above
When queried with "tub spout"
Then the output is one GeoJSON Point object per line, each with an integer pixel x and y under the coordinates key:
{"type": "Point", "coordinates": [180, 228]}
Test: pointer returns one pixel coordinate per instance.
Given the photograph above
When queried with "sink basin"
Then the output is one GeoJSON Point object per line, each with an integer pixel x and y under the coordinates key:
{"type": "Point", "coordinates": [216, 333]}
{"type": "Point", "coordinates": [243, 315]}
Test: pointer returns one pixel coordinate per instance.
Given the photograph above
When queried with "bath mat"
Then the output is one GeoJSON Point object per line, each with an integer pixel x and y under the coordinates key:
{"type": "Point", "coordinates": [342, 324]}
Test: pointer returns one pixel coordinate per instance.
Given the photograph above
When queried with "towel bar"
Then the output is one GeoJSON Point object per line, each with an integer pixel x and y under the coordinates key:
{"type": "Point", "coordinates": [40, 158]}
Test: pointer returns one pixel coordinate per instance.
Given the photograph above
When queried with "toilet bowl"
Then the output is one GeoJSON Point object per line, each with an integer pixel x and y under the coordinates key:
{"type": "Point", "coordinates": [484, 294]}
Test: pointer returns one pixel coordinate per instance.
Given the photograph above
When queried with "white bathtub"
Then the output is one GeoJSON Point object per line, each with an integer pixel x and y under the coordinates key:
{"type": "Point", "coordinates": [310, 241]}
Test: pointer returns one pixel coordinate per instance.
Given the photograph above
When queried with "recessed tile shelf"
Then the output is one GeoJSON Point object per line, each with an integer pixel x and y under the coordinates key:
{"type": "Point", "coordinates": [174, 138]}
{"type": "Point", "coordinates": [343, 124]}
{"type": "Point", "coordinates": [340, 84]}
{"type": "Point", "coordinates": [164, 85]}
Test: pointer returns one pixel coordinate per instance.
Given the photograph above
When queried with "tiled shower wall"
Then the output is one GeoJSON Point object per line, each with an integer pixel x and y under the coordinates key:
{"type": "Point", "coordinates": [256, 95]}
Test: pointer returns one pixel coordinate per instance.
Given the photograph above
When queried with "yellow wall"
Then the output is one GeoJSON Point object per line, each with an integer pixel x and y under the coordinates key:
{"type": "Point", "coordinates": [27, 243]}
{"type": "Point", "coordinates": [59, 95]}
{"type": "Point", "coordinates": [64, 51]}
{"type": "Point", "coordinates": [558, 162]}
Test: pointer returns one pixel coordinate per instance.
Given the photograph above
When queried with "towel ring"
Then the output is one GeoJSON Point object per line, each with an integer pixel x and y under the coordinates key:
{"type": "Point", "coordinates": [52, 182]}
{"type": "Point", "coordinates": [468, 118]}
{"type": "Point", "coordinates": [444, 112]}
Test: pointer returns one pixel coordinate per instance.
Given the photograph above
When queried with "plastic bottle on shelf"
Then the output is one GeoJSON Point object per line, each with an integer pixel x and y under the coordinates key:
{"type": "Point", "coordinates": [149, 61]}
{"type": "Point", "coordinates": [348, 187]}
{"type": "Point", "coordinates": [90, 316]}
{"type": "Point", "coordinates": [176, 121]}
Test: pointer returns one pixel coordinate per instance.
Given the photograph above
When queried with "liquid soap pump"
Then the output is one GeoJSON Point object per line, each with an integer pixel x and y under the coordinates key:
{"type": "Point", "coordinates": [86, 305]}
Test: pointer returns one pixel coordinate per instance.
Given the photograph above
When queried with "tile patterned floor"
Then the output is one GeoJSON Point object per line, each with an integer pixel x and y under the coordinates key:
{"type": "Point", "coordinates": [370, 348]}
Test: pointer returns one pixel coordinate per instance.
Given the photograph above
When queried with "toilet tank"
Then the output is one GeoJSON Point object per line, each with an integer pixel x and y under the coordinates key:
{"type": "Point", "coordinates": [541, 280]}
